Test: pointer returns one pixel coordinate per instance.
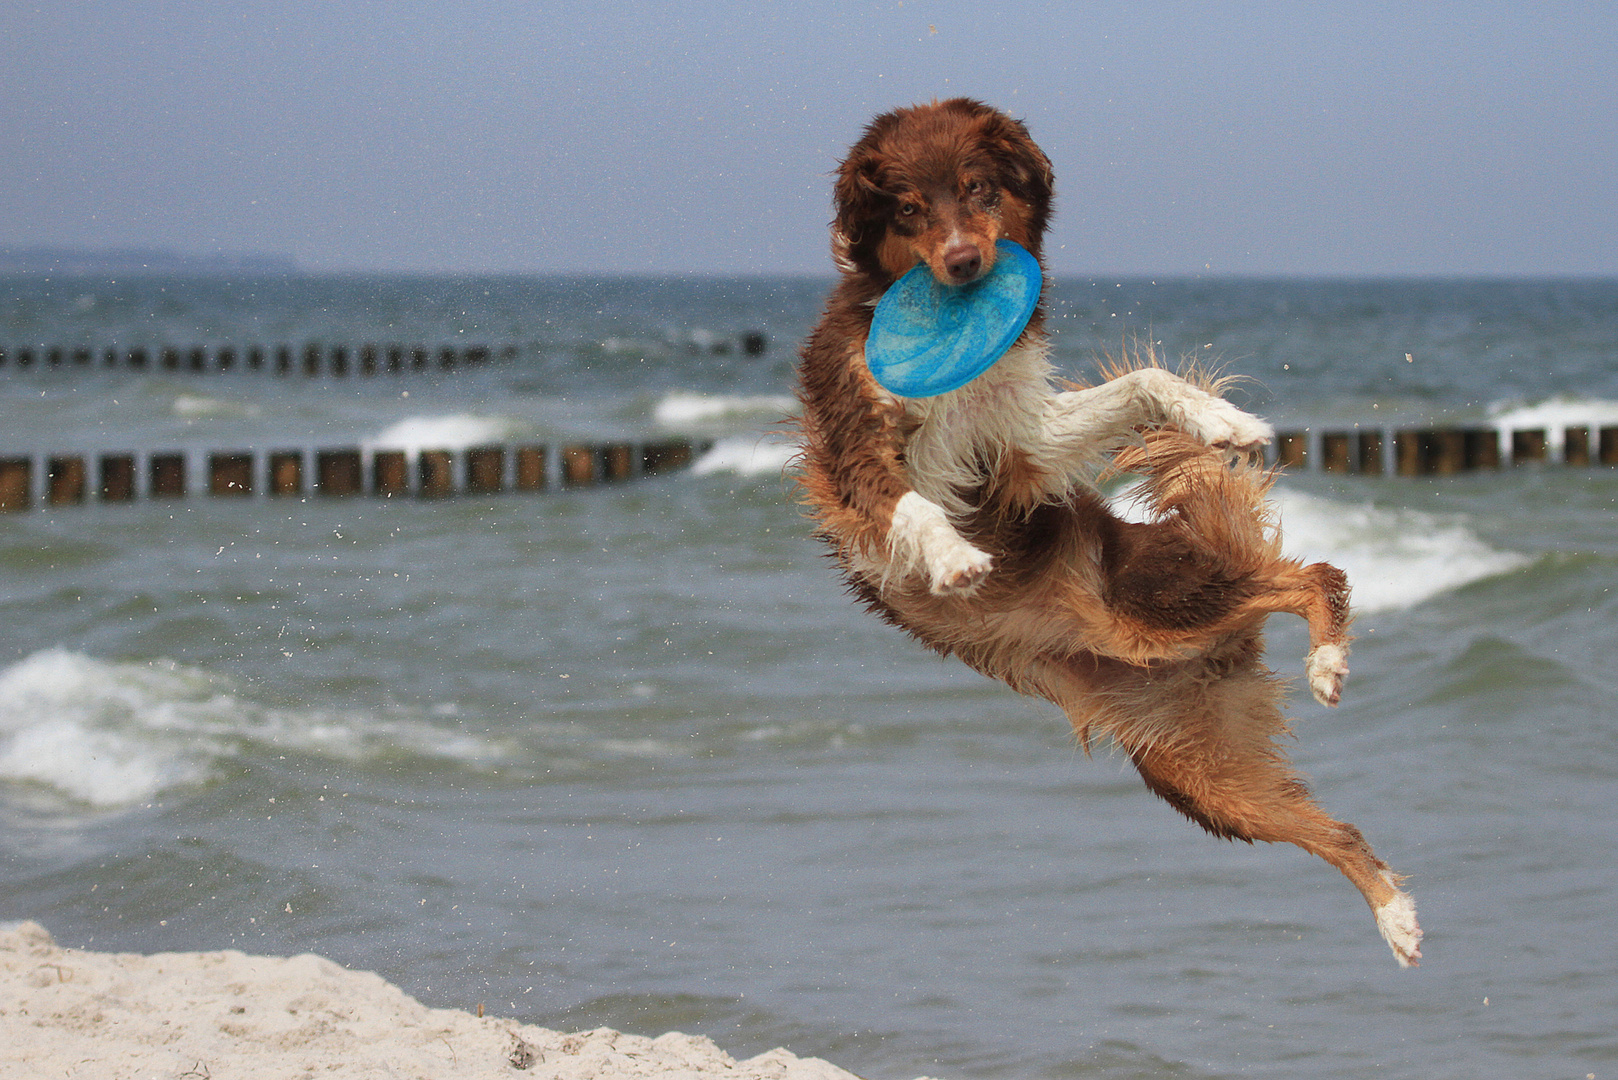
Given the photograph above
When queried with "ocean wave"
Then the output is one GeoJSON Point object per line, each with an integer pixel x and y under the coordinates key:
{"type": "Point", "coordinates": [417, 433]}
{"type": "Point", "coordinates": [748, 455]}
{"type": "Point", "coordinates": [111, 734]}
{"type": "Point", "coordinates": [1554, 412]}
{"type": "Point", "coordinates": [631, 346]}
{"type": "Point", "coordinates": [1394, 558]}
{"type": "Point", "coordinates": [201, 406]}
{"type": "Point", "coordinates": [683, 409]}
{"type": "Point", "coordinates": [1553, 416]}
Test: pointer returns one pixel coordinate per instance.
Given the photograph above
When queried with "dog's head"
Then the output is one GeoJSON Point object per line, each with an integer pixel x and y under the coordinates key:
{"type": "Point", "coordinates": [939, 184]}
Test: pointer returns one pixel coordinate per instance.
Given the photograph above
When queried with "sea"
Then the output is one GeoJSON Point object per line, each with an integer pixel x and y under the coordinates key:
{"type": "Point", "coordinates": [627, 755]}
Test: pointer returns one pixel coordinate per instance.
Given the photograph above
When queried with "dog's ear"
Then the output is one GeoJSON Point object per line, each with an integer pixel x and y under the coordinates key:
{"type": "Point", "coordinates": [861, 207]}
{"type": "Point", "coordinates": [859, 198]}
{"type": "Point", "coordinates": [1025, 170]}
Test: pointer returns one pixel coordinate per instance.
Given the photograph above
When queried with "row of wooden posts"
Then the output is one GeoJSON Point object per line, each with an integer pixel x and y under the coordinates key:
{"type": "Point", "coordinates": [71, 479]}
{"type": "Point", "coordinates": [311, 358]}
{"type": "Point", "coordinates": [1444, 451]}
{"type": "Point", "coordinates": [74, 479]}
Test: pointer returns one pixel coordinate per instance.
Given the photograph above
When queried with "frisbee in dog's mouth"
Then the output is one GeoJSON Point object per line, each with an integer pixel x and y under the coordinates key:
{"type": "Point", "coordinates": [929, 339]}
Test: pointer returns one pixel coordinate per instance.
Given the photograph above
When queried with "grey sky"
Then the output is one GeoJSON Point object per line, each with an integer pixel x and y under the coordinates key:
{"type": "Point", "coordinates": [1315, 138]}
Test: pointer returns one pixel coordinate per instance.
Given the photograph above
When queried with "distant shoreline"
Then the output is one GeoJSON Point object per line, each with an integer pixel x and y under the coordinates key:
{"type": "Point", "coordinates": [46, 262]}
{"type": "Point", "coordinates": [79, 261]}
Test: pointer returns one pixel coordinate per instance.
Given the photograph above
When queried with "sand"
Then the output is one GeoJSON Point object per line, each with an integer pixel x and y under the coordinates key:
{"type": "Point", "coordinates": [227, 1015]}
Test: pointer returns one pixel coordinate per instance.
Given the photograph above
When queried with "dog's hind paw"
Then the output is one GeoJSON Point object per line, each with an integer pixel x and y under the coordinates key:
{"type": "Point", "coordinates": [1327, 668]}
{"type": "Point", "coordinates": [1397, 921]}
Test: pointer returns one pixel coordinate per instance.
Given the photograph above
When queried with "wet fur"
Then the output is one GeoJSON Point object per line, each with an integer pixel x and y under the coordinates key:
{"type": "Point", "coordinates": [973, 519]}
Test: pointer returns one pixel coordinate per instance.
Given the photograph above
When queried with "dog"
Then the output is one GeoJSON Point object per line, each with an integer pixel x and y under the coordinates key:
{"type": "Point", "coordinates": [973, 519]}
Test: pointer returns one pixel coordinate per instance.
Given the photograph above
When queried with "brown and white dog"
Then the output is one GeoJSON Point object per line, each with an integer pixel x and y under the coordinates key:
{"type": "Point", "coordinates": [972, 519]}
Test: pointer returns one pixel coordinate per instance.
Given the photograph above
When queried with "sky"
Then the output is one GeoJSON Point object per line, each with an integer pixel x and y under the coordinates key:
{"type": "Point", "coordinates": [1319, 138]}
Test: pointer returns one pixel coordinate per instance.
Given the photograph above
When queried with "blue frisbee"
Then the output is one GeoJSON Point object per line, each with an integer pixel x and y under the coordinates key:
{"type": "Point", "coordinates": [929, 339]}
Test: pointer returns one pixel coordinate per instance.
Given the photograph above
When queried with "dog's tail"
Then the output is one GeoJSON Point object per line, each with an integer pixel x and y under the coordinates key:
{"type": "Point", "coordinates": [1222, 510]}
{"type": "Point", "coordinates": [1219, 505]}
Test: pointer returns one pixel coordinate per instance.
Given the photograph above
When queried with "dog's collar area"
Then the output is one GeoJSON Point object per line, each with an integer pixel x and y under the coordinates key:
{"type": "Point", "coordinates": [928, 339]}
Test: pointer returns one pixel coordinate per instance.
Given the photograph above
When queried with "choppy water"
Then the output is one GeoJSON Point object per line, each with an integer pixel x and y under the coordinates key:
{"type": "Point", "coordinates": [628, 756]}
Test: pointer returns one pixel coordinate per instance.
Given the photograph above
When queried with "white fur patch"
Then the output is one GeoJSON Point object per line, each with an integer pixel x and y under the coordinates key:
{"type": "Point", "coordinates": [1327, 667]}
{"type": "Point", "coordinates": [962, 436]}
{"type": "Point", "coordinates": [1397, 921]}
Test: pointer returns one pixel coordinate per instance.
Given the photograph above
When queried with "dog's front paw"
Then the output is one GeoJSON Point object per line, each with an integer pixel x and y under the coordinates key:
{"type": "Point", "coordinates": [922, 538]}
{"type": "Point", "coordinates": [1327, 668]}
{"type": "Point", "coordinates": [959, 570]}
{"type": "Point", "coordinates": [1217, 422]}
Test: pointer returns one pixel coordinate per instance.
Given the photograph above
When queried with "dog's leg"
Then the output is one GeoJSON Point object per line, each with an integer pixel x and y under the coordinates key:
{"type": "Point", "coordinates": [1251, 796]}
{"type": "Point", "coordinates": [1328, 615]}
{"type": "Point", "coordinates": [921, 537]}
{"type": "Point", "coordinates": [1207, 747]}
{"type": "Point", "coordinates": [1102, 415]}
{"type": "Point", "coordinates": [1319, 593]}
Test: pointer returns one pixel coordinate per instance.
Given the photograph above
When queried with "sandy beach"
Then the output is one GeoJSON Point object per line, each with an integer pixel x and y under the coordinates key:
{"type": "Point", "coordinates": [222, 1015]}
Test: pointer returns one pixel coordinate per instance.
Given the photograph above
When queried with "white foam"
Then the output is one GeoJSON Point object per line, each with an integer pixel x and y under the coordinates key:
{"type": "Point", "coordinates": [417, 433]}
{"type": "Point", "coordinates": [747, 455]}
{"type": "Point", "coordinates": [199, 406]}
{"type": "Point", "coordinates": [623, 346]}
{"type": "Point", "coordinates": [72, 723]}
{"type": "Point", "coordinates": [119, 734]}
{"type": "Point", "coordinates": [1554, 412]}
{"type": "Point", "coordinates": [682, 409]}
{"type": "Point", "coordinates": [1554, 416]}
{"type": "Point", "coordinates": [1394, 558]}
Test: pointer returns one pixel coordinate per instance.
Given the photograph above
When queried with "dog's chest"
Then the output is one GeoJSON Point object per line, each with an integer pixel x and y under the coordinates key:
{"type": "Point", "coordinates": [962, 439]}
{"type": "Point", "coordinates": [971, 420]}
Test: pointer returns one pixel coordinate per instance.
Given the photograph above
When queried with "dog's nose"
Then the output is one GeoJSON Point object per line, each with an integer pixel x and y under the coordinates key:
{"type": "Point", "coordinates": [962, 262]}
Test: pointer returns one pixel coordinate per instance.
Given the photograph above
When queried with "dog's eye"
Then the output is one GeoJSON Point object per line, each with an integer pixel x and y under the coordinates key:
{"type": "Point", "coordinates": [908, 209]}
{"type": "Point", "coordinates": [977, 187]}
